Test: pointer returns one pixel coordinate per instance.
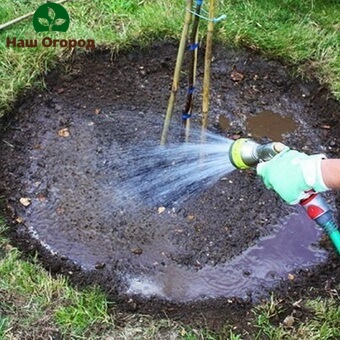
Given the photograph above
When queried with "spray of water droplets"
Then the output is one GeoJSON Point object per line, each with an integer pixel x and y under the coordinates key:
{"type": "Point", "coordinates": [163, 176]}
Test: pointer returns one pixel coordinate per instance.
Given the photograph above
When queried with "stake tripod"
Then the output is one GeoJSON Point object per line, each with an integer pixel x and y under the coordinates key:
{"type": "Point", "coordinates": [193, 48]}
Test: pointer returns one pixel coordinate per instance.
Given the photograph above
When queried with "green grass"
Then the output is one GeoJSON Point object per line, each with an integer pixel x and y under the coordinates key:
{"type": "Point", "coordinates": [324, 323]}
{"type": "Point", "coordinates": [32, 302]}
{"type": "Point", "coordinates": [304, 34]}
{"type": "Point", "coordinates": [82, 311]}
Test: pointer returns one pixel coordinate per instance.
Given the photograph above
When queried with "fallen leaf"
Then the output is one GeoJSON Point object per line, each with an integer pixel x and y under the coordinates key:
{"type": "Point", "coordinates": [161, 209]}
{"type": "Point", "coordinates": [64, 132]}
{"type": "Point", "coordinates": [41, 198]}
{"type": "Point", "coordinates": [60, 90]}
{"type": "Point", "coordinates": [327, 127]}
{"type": "Point", "coordinates": [236, 75]}
{"type": "Point", "coordinates": [97, 111]}
{"type": "Point", "coordinates": [288, 321]}
{"type": "Point", "coordinates": [60, 210]}
{"type": "Point", "coordinates": [137, 251]}
{"type": "Point", "coordinates": [19, 219]}
{"type": "Point", "coordinates": [100, 265]}
{"type": "Point", "coordinates": [25, 201]}
{"type": "Point", "coordinates": [297, 303]}
{"type": "Point", "coordinates": [183, 332]}
{"type": "Point", "coordinates": [8, 247]}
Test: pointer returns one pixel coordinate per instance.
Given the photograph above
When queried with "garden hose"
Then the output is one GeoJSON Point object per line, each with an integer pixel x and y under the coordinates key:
{"type": "Point", "coordinates": [245, 153]}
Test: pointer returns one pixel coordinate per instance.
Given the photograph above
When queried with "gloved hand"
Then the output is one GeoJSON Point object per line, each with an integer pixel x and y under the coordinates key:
{"type": "Point", "coordinates": [291, 174]}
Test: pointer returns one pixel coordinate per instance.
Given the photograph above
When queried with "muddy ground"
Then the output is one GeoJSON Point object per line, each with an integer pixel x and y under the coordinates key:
{"type": "Point", "coordinates": [62, 151]}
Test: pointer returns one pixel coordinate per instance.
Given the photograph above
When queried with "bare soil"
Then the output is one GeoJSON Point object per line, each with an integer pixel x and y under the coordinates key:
{"type": "Point", "coordinates": [61, 148]}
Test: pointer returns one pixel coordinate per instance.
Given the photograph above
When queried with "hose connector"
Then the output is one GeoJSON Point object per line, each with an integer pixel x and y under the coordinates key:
{"type": "Point", "coordinates": [244, 153]}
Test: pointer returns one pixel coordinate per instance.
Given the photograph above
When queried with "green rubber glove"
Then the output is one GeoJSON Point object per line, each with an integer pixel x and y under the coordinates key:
{"type": "Point", "coordinates": [291, 174]}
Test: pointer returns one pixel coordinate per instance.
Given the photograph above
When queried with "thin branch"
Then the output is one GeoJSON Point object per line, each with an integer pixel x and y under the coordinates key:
{"type": "Point", "coordinates": [23, 17]}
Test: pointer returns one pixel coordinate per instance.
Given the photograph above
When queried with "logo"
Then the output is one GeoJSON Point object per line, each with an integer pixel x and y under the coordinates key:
{"type": "Point", "coordinates": [51, 17]}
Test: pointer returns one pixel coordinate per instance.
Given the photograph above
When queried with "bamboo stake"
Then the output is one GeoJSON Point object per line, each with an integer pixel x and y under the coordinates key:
{"type": "Point", "coordinates": [25, 16]}
{"type": "Point", "coordinates": [207, 67]}
{"type": "Point", "coordinates": [187, 126]}
{"type": "Point", "coordinates": [177, 71]}
{"type": "Point", "coordinates": [192, 69]}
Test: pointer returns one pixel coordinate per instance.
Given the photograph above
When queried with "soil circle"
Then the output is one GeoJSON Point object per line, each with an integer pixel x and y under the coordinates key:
{"type": "Point", "coordinates": [60, 169]}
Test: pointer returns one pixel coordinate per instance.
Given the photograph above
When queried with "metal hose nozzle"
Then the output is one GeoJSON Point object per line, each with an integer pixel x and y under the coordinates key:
{"type": "Point", "coordinates": [244, 153]}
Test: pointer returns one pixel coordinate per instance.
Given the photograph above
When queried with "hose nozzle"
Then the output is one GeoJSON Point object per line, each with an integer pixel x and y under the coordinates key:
{"type": "Point", "coordinates": [244, 153]}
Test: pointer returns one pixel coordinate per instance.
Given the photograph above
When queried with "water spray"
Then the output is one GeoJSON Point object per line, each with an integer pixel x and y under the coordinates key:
{"type": "Point", "coordinates": [245, 153]}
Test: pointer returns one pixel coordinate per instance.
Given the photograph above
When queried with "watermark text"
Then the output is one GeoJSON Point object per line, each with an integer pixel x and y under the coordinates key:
{"type": "Point", "coordinates": [88, 44]}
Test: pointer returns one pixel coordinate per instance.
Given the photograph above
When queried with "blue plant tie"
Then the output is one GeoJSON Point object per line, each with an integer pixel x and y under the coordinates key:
{"type": "Point", "coordinates": [191, 90]}
{"type": "Point", "coordinates": [199, 2]}
{"type": "Point", "coordinates": [193, 46]}
{"type": "Point", "coordinates": [214, 20]}
{"type": "Point", "coordinates": [186, 116]}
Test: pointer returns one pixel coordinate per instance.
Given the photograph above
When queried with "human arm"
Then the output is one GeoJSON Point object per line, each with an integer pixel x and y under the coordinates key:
{"type": "Point", "coordinates": [293, 174]}
{"type": "Point", "coordinates": [330, 169]}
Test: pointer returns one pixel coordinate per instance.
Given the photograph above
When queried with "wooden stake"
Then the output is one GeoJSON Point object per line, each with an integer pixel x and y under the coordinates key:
{"type": "Point", "coordinates": [207, 66]}
{"type": "Point", "coordinates": [14, 21]}
{"type": "Point", "coordinates": [177, 71]}
{"type": "Point", "coordinates": [187, 126]}
{"type": "Point", "coordinates": [192, 69]}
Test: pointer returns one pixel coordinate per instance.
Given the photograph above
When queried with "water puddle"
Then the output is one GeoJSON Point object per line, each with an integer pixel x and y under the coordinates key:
{"type": "Point", "coordinates": [270, 124]}
{"type": "Point", "coordinates": [263, 266]}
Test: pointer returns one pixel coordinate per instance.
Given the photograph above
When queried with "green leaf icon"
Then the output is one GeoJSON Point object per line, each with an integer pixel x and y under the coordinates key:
{"type": "Point", "coordinates": [51, 17]}
{"type": "Point", "coordinates": [51, 13]}
{"type": "Point", "coordinates": [43, 22]}
{"type": "Point", "coordinates": [59, 22]}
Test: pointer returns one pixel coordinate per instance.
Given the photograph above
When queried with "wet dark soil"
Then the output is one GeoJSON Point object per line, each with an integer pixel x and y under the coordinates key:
{"type": "Point", "coordinates": [61, 151]}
